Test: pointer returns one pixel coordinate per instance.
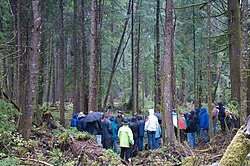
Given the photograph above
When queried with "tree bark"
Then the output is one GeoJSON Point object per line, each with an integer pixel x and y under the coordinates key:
{"type": "Point", "coordinates": [234, 35]}
{"type": "Point", "coordinates": [74, 85]}
{"type": "Point", "coordinates": [183, 88]}
{"type": "Point", "coordinates": [50, 63]}
{"type": "Point", "coordinates": [194, 49]}
{"type": "Point", "coordinates": [157, 58]}
{"type": "Point", "coordinates": [61, 71]}
{"type": "Point", "coordinates": [34, 53]}
{"type": "Point", "coordinates": [167, 71]}
{"type": "Point", "coordinates": [243, 86]}
{"type": "Point", "coordinates": [92, 64]}
{"type": "Point", "coordinates": [209, 104]}
{"type": "Point", "coordinates": [82, 80]}
{"type": "Point", "coordinates": [53, 88]}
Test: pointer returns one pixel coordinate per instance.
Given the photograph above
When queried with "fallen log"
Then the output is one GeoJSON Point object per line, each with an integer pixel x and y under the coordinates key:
{"type": "Point", "coordinates": [37, 161]}
{"type": "Point", "coordinates": [238, 149]}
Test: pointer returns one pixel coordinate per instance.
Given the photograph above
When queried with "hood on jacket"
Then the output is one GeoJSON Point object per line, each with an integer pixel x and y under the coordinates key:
{"type": "Point", "coordinates": [75, 116]}
{"type": "Point", "coordinates": [197, 110]}
{"type": "Point", "coordinates": [111, 118]}
{"type": "Point", "coordinates": [133, 119]}
{"type": "Point", "coordinates": [139, 117]}
{"type": "Point", "coordinates": [151, 111]}
{"type": "Point", "coordinates": [203, 110]}
{"type": "Point", "coordinates": [220, 105]}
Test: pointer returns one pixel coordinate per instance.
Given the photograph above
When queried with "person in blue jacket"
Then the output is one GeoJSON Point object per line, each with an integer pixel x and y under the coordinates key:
{"type": "Point", "coordinates": [204, 119]}
{"type": "Point", "coordinates": [197, 121]}
{"type": "Point", "coordinates": [73, 121]}
{"type": "Point", "coordinates": [141, 124]}
{"type": "Point", "coordinates": [157, 136]}
{"type": "Point", "coordinates": [114, 132]}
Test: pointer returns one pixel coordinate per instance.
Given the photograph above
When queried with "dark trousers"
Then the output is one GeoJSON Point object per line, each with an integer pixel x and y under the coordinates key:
{"type": "Point", "coordinates": [222, 123]}
{"type": "Point", "coordinates": [151, 139]}
{"type": "Point", "coordinates": [134, 148]}
{"type": "Point", "coordinates": [140, 143]}
{"type": "Point", "coordinates": [107, 143]}
{"type": "Point", "coordinates": [126, 151]}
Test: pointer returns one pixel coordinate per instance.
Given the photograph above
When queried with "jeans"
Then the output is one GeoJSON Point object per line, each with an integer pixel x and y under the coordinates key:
{"type": "Point", "coordinates": [156, 143]}
{"type": "Point", "coordinates": [140, 143]}
{"type": "Point", "coordinates": [191, 139]}
{"type": "Point", "coordinates": [125, 150]}
{"type": "Point", "coordinates": [151, 139]}
{"type": "Point", "coordinates": [114, 145]}
{"type": "Point", "coordinates": [214, 127]}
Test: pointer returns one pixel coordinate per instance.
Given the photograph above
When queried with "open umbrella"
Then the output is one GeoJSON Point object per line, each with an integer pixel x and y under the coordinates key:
{"type": "Point", "coordinates": [94, 116]}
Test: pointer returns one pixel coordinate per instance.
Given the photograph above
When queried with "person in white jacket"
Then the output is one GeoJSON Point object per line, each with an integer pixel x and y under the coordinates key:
{"type": "Point", "coordinates": [151, 126]}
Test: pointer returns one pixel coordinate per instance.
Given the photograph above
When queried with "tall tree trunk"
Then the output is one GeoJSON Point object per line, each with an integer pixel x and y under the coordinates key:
{"type": "Point", "coordinates": [61, 71]}
{"type": "Point", "coordinates": [248, 89]}
{"type": "Point", "coordinates": [167, 71]}
{"type": "Point", "coordinates": [74, 85]}
{"type": "Point", "coordinates": [217, 82]}
{"type": "Point", "coordinates": [243, 92]}
{"type": "Point", "coordinates": [200, 96]}
{"type": "Point", "coordinates": [50, 63]}
{"type": "Point", "coordinates": [157, 58]}
{"type": "Point", "coordinates": [194, 49]}
{"type": "Point", "coordinates": [34, 53]}
{"type": "Point", "coordinates": [92, 64]}
{"type": "Point", "coordinates": [209, 70]}
{"type": "Point", "coordinates": [234, 35]}
{"type": "Point", "coordinates": [82, 85]}
{"type": "Point", "coordinates": [53, 88]}
{"type": "Point", "coordinates": [133, 71]}
{"type": "Point", "coordinates": [183, 88]}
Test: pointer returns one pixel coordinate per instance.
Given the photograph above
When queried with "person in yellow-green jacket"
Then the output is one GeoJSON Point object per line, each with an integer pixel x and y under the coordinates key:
{"type": "Point", "coordinates": [125, 136]}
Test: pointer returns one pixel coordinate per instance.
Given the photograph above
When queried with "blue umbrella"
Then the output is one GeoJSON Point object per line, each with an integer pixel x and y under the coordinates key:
{"type": "Point", "coordinates": [94, 116]}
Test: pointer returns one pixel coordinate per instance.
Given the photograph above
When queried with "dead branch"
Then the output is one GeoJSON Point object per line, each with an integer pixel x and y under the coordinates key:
{"type": "Point", "coordinates": [37, 161]}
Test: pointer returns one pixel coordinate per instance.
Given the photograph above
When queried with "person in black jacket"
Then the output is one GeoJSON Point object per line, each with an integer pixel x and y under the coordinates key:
{"type": "Point", "coordinates": [135, 130]}
{"type": "Point", "coordinates": [191, 129]}
{"type": "Point", "coordinates": [106, 133]}
{"type": "Point", "coordinates": [221, 116]}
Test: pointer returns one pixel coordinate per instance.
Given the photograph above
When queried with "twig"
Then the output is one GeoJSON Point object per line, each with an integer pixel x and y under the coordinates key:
{"type": "Point", "coordinates": [38, 161]}
{"type": "Point", "coordinates": [213, 157]}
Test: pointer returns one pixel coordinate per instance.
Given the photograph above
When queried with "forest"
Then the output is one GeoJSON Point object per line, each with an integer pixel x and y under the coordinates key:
{"type": "Point", "coordinates": [184, 63]}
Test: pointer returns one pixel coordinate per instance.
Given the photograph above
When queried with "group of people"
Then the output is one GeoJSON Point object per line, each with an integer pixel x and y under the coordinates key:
{"type": "Point", "coordinates": [198, 122]}
{"type": "Point", "coordinates": [129, 132]}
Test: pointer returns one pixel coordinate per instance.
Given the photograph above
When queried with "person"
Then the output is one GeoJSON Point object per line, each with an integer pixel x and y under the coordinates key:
{"type": "Point", "coordinates": [135, 130]}
{"type": "Point", "coordinates": [214, 117]}
{"type": "Point", "coordinates": [125, 136]}
{"type": "Point", "coordinates": [197, 121]}
{"type": "Point", "coordinates": [191, 128]}
{"type": "Point", "coordinates": [106, 133]}
{"type": "Point", "coordinates": [204, 125]}
{"type": "Point", "coordinates": [119, 119]}
{"type": "Point", "coordinates": [229, 119]}
{"type": "Point", "coordinates": [73, 121]}
{"type": "Point", "coordinates": [157, 136]}
{"type": "Point", "coordinates": [80, 124]}
{"type": "Point", "coordinates": [141, 124]}
{"type": "Point", "coordinates": [221, 116]}
{"type": "Point", "coordinates": [114, 133]}
{"type": "Point", "coordinates": [151, 126]}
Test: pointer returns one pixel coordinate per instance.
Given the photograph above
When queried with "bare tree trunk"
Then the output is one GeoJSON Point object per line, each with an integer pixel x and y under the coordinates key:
{"type": "Point", "coordinates": [53, 88]}
{"type": "Point", "coordinates": [217, 82]}
{"type": "Point", "coordinates": [167, 71]}
{"type": "Point", "coordinates": [133, 64]}
{"type": "Point", "coordinates": [183, 88]}
{"type": "Point", "coordinates": [74, 85]}
{"type": "Point", "coordinates": [243, 86]}
{"type": "Point", "coordinates": [209, 70]}
{"type": "Point", "coordinates": [82, 85]}
{"type": "Point", "coordinates": [195, 90]}
{"type": "Point", "coordinates": [34, 53]}
{"type": "Point", "coordinates": [61, 71]}
{"type": "Point", "coordinates": [248, 89]}
{"type": "Point", "coordinates": [234, 47]}
{"type": "Point", "coordinates": [157, 58]}
{"type": "Point", "coordinates": [92, 64]}
{"type": "Point", "coordinates": [50, 63]}
{"type": "Point", "coordinates": [200, 90]}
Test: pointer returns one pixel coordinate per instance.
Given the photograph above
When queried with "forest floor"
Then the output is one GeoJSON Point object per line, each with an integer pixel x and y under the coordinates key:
{"type": "Point", "coordinates": [69, 147]}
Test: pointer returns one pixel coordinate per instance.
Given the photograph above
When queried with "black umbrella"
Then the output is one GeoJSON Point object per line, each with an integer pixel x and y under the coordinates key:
{"type": "Point", "coordinates": [94, 116]}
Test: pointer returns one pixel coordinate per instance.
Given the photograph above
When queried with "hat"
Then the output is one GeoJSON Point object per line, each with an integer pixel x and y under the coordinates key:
{"type": "Point", "coordinates": [81, 114]}
{"type": "Point", "coordinates": [125, 121]}
{"type": "Point", "coordinates": [120, 111]}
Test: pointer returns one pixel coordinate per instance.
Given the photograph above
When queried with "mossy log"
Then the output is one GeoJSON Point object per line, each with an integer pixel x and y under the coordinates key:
{"type": "Point", "coordinates": [238, 149]}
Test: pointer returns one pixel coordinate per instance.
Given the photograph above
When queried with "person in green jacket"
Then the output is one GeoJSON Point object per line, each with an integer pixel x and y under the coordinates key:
{"type": "Point", "coordinates": [125, 136]}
